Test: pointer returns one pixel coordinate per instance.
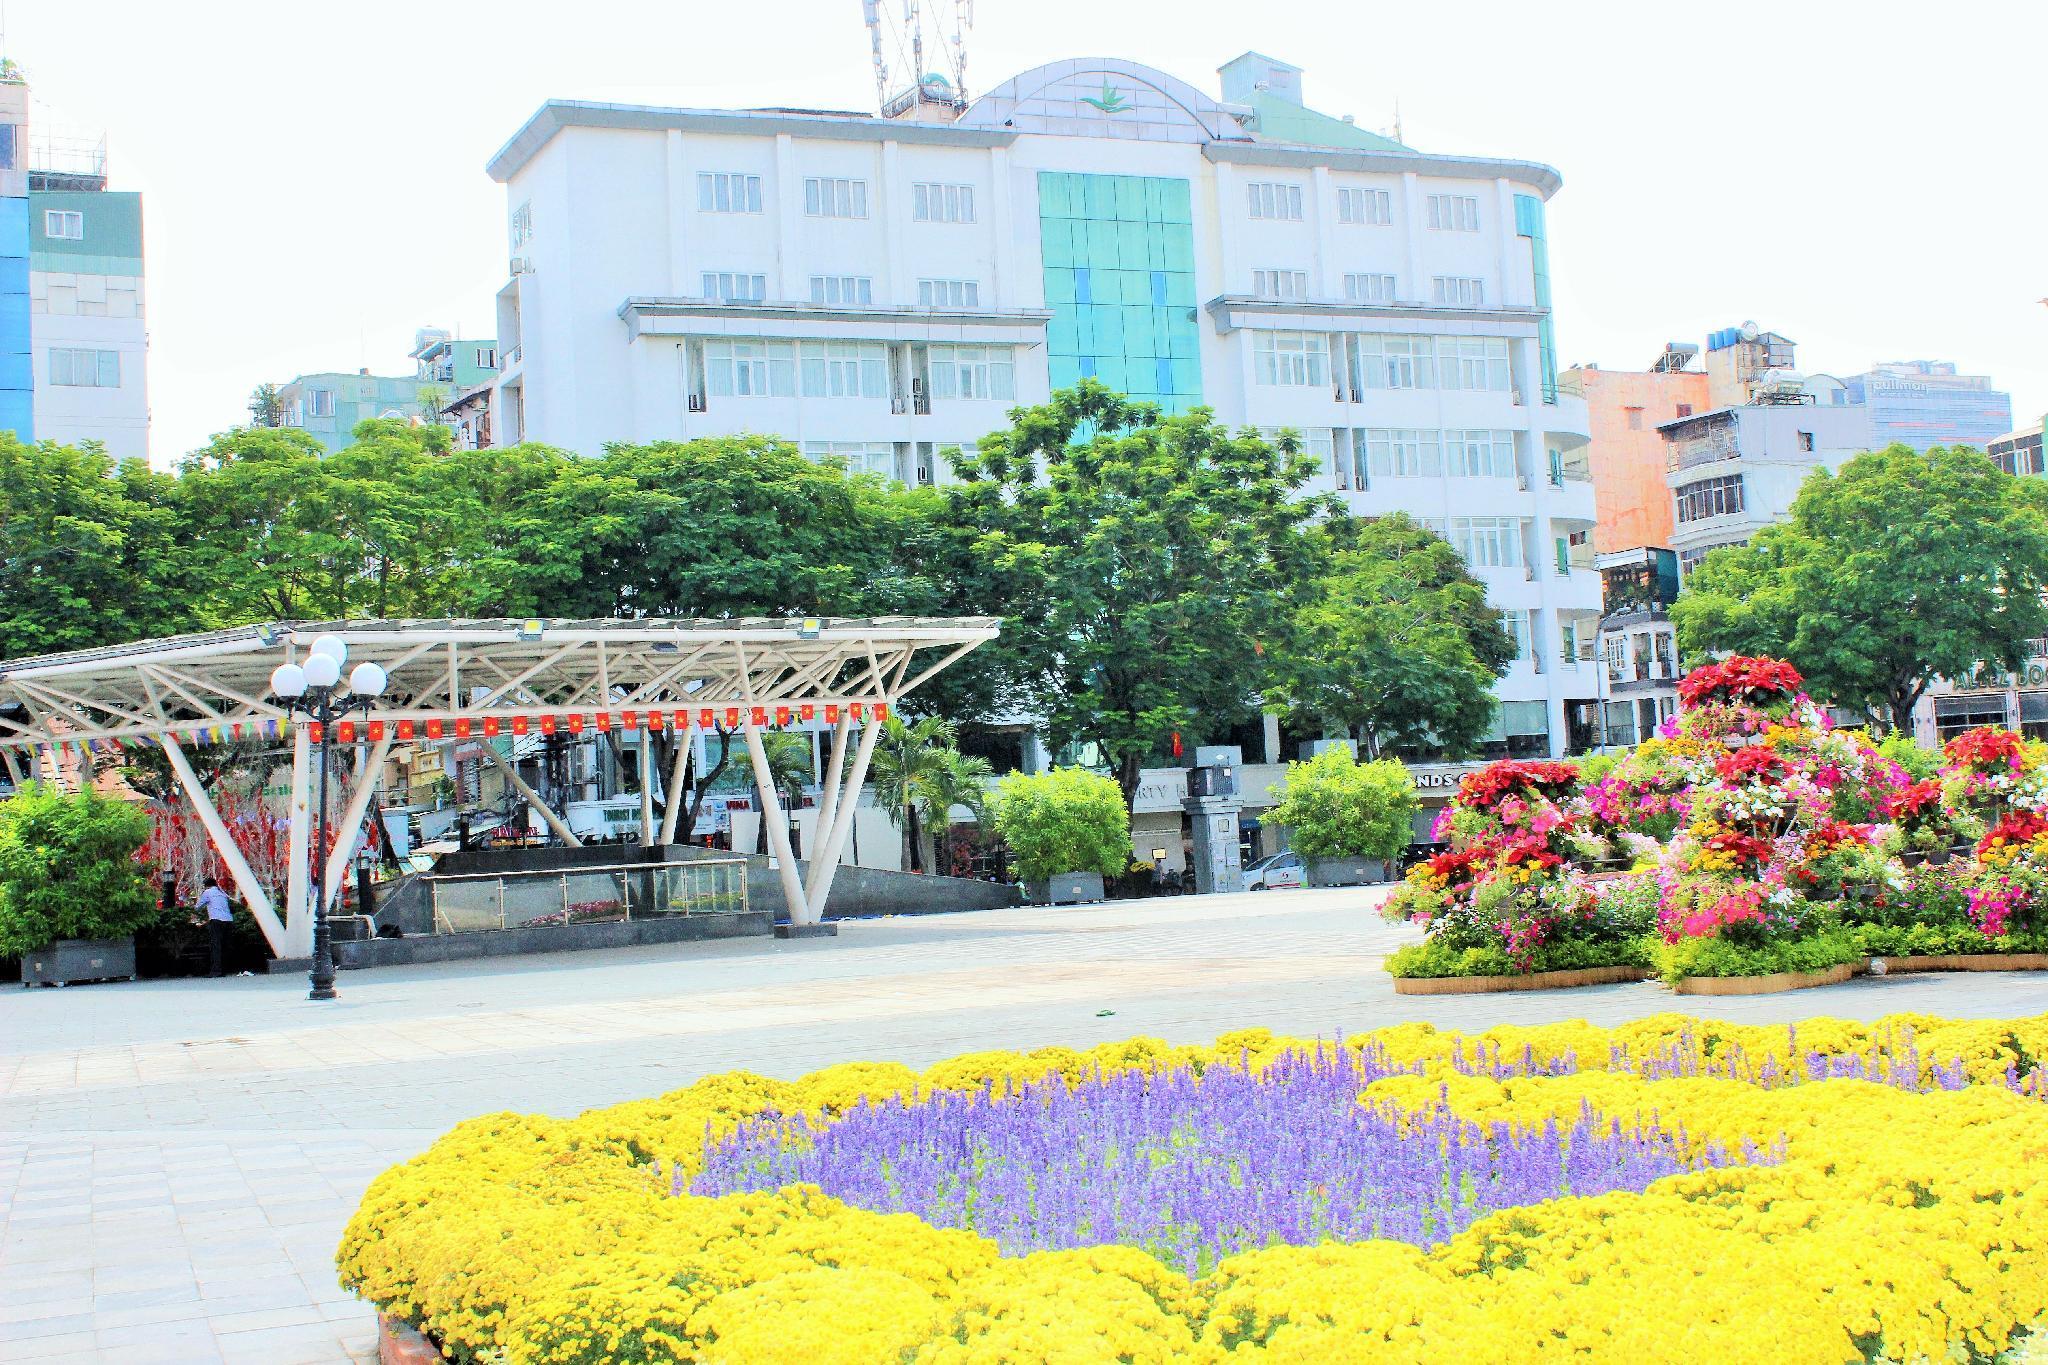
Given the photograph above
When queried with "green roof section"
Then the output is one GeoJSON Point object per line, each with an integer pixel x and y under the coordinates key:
{"type": "Point", "coordinates": [1282, 120]}
{"type": "Point", "coordinates": [112, 225]}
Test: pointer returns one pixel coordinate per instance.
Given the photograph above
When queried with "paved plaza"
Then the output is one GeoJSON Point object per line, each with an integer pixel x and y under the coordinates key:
{"type": "Point", "coordinates": [177, 1158]}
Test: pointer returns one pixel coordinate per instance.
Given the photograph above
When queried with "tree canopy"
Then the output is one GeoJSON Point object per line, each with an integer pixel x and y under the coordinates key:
{"type": "Point", "coordinates": [1900, 568]}
{"type": "Point", "coordinates": [1142, 561]}
{"type": "Point", "coordinates": [1395, 642]}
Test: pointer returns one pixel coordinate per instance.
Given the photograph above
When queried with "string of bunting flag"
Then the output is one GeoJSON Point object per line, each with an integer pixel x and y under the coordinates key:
{"type": "Point", "coordinates": [706, 718]}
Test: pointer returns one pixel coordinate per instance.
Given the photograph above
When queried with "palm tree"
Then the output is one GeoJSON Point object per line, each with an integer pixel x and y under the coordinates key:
{"type": "Point", "coordinates": [789, 769]}
{"type": "Point", "coordinates": [962, 782]}
{"type": "Point", "coordinates": [908, 767]}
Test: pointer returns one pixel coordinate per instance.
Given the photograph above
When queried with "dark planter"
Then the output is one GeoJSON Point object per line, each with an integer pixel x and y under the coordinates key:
{"type": "Point", "coordinates": [1067, 888]}
{"type": "Point", "coordinates": [80, 959]}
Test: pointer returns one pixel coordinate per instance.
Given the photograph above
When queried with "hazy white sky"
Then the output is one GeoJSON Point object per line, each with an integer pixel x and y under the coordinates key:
{"type": "Point", "coordinates": [1863, 176]}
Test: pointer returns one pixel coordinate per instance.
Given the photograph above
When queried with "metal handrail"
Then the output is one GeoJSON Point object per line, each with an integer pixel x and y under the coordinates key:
{"type": "Point", "coordinates": [444, 925]}
{"type": "Point", "coordinates": [580, 868]}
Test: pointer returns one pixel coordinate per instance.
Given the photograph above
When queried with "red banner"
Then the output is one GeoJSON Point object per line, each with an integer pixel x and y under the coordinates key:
{"type": "Point", "coordinates": [881, 710]}
{"type": "Point", "coordinates": [758, 715]}
{"type": "Point", "coordinates": [345, 732]}
{"type": "Point", "coordinates": [404, 730]}
{"type": "Point", "coordinates": [629, 720]}
{"type": "Point", "coordinates": [519, 725]}
{"type": "Point", "coordinates": [782, 715]}
{"type": "Point", "coordinates": [575, 722]}
{"type": "Point", "coordinates": [313, 731]}
{"type": "Point", "coordinates": [376, 728]}
{"type": "Point", "coordinates": [434, 728]}
{"type": "Point", "coordinates": [604, 720]}
{"type": "Point", "coordinates": [831, 713]}
{"type": "Point", "coordinates": [732, 717]}
{"type": "Point", "coordinates": [809, 711]}
{"type": "Point", "coordinates": [463, 725]}
{"type": "Point", "coordinates": [853, 710]}
{"type": "Point", "coordinates": [548, 724]}
{"type": "Point", "coordinates": [704, 718]}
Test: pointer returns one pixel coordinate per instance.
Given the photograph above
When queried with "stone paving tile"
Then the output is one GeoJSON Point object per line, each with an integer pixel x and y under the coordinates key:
{"type": "Point", "coordinates": [177, 1159]}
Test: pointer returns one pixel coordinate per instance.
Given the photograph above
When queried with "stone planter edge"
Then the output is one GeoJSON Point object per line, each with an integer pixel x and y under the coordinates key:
{"type": "Point", "coordinates": [1763, 985]}
{"type": "Point", "coordinates": [1531, 981]}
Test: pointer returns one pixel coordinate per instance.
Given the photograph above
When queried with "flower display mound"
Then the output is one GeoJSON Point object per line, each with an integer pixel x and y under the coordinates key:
{"type": "Point", "coordinates": [1670, 1189]}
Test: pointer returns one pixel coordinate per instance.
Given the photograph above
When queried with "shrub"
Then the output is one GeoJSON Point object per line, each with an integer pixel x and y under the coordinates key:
{"type": "Point", "coordinates": [1336, 807]}
{"type": "Point", "coordinates": [68, 869]}
{"type": "Point", "coordinates": [1725, 957]}
{"type": "Point", "coordinates": [1919, 761]}
{"type": "Point", "coordinates": [1436, 958]}
{"type": "Point", "coordinates": [1066, 820]}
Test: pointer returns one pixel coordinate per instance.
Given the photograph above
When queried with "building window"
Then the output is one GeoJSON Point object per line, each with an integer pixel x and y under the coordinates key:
{"type": "Point", "coordinates": [64, 225]}
{"type": "Point", "coordinates": [1458, 291]}
{"type": "Point", "coordinates": [1488, 542]}
{"type": "Point", "coordinates": [1806, 440]}
{"type": "Point", "coordinates": [1520, 628]}
{"type": "Point", "coordinates": [1273, 199]}
{"type": "Point", "coordinates": [1373, 207]}
{"type": "Point", "coordinates": [728, 192]}
{"type": "Point", "coordinates": [1480, 454]}
{"type": "Point", "coordinates": [1280, 284]}
{"type": "Point", "coordinates": [845, 369]}
{"type": "Point", "coordinates": [320, 402]}
{"type": "Point", "coordinates": [948, 294]}
{"type": "Point", "coordinates": [1369, 288]}
{"type": "Point", "coordinates": [1318, 443]}
{"type": "Point", "coordinates": [750, 369]}
{"type": "Point", "coordinates": [1635, 418]}
{"type": "Point", "coordinates": [842, 289]}
{"type": "Point", "coordinates": [522, 225]}
{"type": "Point", "coordinates": [1954, 715]}
{"type": "Point", "coordinates": [85, 369]}
{"type": "Point", "coordinates": [1398, 362]}
{"type": "Point", "coordinates": [487, 357]}
{"type": "Point", "coordinates": [972, 372]}
{"type": "Point", "coordinates": [1709, 498]}
{"type": "Point", "coordinates": [825, 197]}
{"type": "Point", "coordinates": [1291, 359]}
{"type": "Point", "coordinates": [1420, 362]}
{"type": "Point", "coordinates": [1685, 409]}
{"type": "Point", "coordinates": [729, 287]}
{"type": "Point", "coordinates": [1453, 213]}
{"type": "Point", "coordinates": [1688, 560]}
{"type": "Point", "coordinates": [1402, 454]}
{"type": "Point", "coordinates": [861, 457]}
{"type": "Point", "coordinates": [935, 203]}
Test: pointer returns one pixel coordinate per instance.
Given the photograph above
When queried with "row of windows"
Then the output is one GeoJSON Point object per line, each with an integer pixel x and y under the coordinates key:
{"type": "Point", "coordinates": [1302, 360]}
{"type": "Point", "coordinates": [1356, 456]}
{"type": "Point", "coordinates": [1277, 199]}
{"type": "Point", "coordinates": [838, 290]}
{"type": "Point", "coordinates": [834, 197]}
{"type": "Point", "coordinates": [906, 461]}
{"type": "Point", "coordinates": [1710, 498]}
{"type": "Point", "coordinates": [1688, 560]}
{"type": "Point", "coordinates": [76, 368]}
{"type": "Point", "coordinates": [1450, 290]}
{"type": "Point", "coordinates": [850, 369]}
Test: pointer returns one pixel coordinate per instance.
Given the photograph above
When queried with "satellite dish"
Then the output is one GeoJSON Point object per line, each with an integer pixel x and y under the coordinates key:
{"type": "Point", "coordinates": [1749, 332]}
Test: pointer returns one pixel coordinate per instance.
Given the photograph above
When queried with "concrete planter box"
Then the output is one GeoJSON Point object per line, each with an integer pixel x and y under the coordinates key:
{"type": "Point", "coordinates": [80, 959]}
{"type": "Point", "coordinates": [1762, 985]}
{"type": "Point", "coordinates": [1067, 888]}
{"type": "Point", "coordinates": [1345, 871]}
{"type": "Point", "coordinates": [1961, 962]}
{"type": "Point", "coordinates": [1530, 981]}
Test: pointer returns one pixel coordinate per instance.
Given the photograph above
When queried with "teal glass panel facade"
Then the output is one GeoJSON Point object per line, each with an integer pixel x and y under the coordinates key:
{"type": "Point", "coordinates": [1529, 223]}
{"type": "Point", "coordinates": [1119, 260]}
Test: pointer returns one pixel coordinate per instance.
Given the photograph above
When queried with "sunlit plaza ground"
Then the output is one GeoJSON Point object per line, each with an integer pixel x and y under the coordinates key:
{"type": "Point", "coordinates": [178, 1158]}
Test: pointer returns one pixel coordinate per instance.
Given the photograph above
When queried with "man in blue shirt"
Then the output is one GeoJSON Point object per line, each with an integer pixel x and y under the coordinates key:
{"type": "Point", "coordinates": [219, 915]}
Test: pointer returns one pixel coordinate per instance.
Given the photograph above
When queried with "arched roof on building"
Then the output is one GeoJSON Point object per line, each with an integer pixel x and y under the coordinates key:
{"type": "Point", "coordinates": [1104, 97]}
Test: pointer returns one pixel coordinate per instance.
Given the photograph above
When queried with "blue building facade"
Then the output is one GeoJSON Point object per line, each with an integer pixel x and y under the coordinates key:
{"type": "Point", "coordinates": [1925, 403]}
{"type": "Point", "coordinates": [17, 374]}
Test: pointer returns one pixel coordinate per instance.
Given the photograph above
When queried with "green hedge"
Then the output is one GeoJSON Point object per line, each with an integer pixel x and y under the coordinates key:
{"type": "Point", "coordinates": [1432, 958]}
{"type": "Point", "coordinates": [68, 869]}
{"type": "Point", "coordinates": [1719, 957]}
{"type": "Point", "coordinates": [1939, 940]}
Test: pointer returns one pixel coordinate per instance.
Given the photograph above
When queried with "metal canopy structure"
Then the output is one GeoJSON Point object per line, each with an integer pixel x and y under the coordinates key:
{"type": "Point", "coordinates": [483, 678]}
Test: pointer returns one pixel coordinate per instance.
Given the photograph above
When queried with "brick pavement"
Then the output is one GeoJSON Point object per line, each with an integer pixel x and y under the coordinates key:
{"type": "Point", "coordinates": [177, 1158]}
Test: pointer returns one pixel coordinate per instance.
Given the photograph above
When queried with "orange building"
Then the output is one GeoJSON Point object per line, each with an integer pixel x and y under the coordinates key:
{"type": "Point", "coordinates": [1624, 409]}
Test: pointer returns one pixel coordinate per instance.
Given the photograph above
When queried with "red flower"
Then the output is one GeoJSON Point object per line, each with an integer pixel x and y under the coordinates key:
{"type": "Point", "coordinates": [1740, 679]}
{"type": "Point", "coordinates": [1486, 788]}
{"type": "Point", "coordinates": [1918, 799]}
{"type": "Point", "coordinates": [1758, 762]}
{"type": "Point", "coordinates": [1987, 746]}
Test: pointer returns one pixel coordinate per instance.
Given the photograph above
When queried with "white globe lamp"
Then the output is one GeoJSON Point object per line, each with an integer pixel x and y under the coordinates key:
{"type": "Point", "coordinates": [366, 680]}
{"type": "Point", "coordinates": [288, 680]}
{"type": "Point", "coordinates": [322, 670]}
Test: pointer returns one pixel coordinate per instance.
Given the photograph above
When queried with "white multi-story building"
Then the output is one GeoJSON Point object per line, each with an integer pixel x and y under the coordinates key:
{"type": "Point", "coordinates": [881, 289]}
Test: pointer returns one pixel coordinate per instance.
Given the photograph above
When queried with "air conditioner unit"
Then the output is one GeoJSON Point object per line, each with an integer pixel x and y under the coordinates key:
{"type": "Point", "coordinates": [521, 265]}
{"type": "Point", "coordinates": [696, 402]}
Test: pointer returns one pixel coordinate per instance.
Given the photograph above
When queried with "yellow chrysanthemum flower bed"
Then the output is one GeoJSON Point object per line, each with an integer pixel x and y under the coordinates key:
{"type": "Point", "coordinates": [1892, 1224]}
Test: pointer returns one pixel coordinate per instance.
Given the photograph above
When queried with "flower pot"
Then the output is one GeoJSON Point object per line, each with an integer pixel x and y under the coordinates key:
{"type": "Point", "coordinates": [80, 959]}
{"type": "Point", "coordinates": [1066, 888]}
{"type": "Point", "coordinates": [1345, 871]}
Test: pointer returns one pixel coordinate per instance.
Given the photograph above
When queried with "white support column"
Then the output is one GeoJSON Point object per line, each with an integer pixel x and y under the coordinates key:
{"type": "Point", "coordinates": [778, 830]}
{"type": "Point", "coordinates": [253, 891]}
{"type": "Point", "coordinates": [672, 808]}
{"type": "Point", "coordinates": [828, 801]}
{"type": "Point", "coordinates": [554, 821]}
{"type": "Point", "coordinates": [298, 890]}
{"type": "Point", "coordinates": [352, 817]}
{"type": "Point", "coordinates": [849, 804]}
{"type": "Point", "coordinates": [14, 773]}
{"type": "Point", "coordinates": [646, 787]}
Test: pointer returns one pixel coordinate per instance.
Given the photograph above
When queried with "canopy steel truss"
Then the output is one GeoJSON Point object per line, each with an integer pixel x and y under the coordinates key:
{"type": "Point", "coordinates": [477, 678]}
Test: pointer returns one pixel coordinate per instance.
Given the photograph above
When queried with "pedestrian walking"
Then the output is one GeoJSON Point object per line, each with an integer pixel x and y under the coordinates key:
{"type": "Point", "coordinates": [219, 915]}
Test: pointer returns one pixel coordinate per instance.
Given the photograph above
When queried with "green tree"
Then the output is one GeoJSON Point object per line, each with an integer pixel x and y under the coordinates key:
{"type": "Point", "coordinates": [915, 774]}
{"type": "Point", "coordinates": [1140, 562]}
{"type": "Point", "coordinates": [1398, 645]}
{"type": "Point", "coordinates": [1900, 568]}
{"type": "Point", "coordinates": [68, 869]}
{"type": "Point", "coordinates": [91, 552]}
{"type": "Point", "coordinates": [266, 406]}
{"type": "Point", "coordinates": [1333, 806]}
{"type": "Point", "coordinates": [789, 770]}
{"type": "Point", "coordinates": [1065, 820]}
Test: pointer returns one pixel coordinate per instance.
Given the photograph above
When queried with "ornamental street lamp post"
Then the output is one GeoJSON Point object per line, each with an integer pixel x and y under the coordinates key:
{"type": "Point", "coordinates": [315, 690]}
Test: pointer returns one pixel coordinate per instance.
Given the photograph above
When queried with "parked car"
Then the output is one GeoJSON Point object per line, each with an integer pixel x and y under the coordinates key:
{"type": "Point", "coordinates": [1273, 873]}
